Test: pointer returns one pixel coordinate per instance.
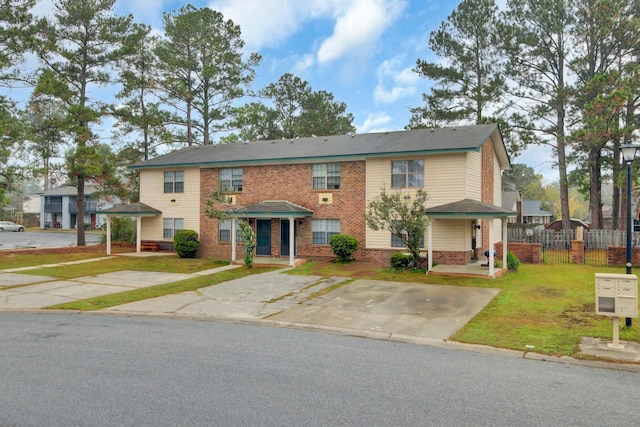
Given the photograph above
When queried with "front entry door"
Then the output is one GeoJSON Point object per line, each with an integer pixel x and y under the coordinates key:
{"type": "Point", "coordinates": [263, 237]}
{"type": "Point", "coordinates": [285, 238]}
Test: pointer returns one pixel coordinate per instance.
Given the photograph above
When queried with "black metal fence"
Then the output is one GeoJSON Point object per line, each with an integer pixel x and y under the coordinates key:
{"type": "Point", "coordinates": [556, 245]}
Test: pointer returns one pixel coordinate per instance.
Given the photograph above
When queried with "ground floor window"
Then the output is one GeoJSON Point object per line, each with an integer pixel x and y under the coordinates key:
{"type": "Point", "coordinates": [323, 229]}
{"type": "Point", "coordinates": [224, 231]}
{"type": "Point", "coordinates": [396, 242]}
{"type": "Point", "coordinates": [170, 226]}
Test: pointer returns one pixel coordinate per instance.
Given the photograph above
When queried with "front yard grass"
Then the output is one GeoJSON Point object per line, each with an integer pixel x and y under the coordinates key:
{"type": "Point", "coordinates": [542, 308]}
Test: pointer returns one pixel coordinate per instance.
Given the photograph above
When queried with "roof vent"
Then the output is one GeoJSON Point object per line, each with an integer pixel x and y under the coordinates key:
{"type": "Point", "coordinates": [291, 142]}
{"type": "Point", "coordinates": [325, 138]}
{"type": "Point", "coordinates": [454, 129]}
{"type": "Point", "coordinates": [432, 130]}
{"type": "Point", "coordinates": [273, 142]}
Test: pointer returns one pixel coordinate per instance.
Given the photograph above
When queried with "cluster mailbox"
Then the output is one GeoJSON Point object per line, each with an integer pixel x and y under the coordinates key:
{"type": "Point", "coordinates": [617, 295]}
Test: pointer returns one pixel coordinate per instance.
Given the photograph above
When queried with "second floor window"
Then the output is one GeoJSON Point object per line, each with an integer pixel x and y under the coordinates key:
{"type": "Point", "coordinates": [326, 176]}
{"type": "Point", "coordinates": [231, 179]}
{"type": "Point", "coordinates": [174, 182]}
{"type": "Point", "coordinates": [407, 174]}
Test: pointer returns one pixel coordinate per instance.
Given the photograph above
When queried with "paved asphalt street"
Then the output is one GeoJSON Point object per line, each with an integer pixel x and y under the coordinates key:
{"type": "Point", "coordinates": [79, 370]}
{"type": "Point", "coordinates": [42, 239]}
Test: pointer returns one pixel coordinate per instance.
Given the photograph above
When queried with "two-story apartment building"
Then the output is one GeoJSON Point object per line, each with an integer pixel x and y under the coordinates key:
{"type": "Point", "coordinates": [298, 193]}
{"type": "Point", "coordinates": [59, 208]}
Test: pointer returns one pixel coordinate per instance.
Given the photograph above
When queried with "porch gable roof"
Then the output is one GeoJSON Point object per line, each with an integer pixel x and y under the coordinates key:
{"type": "Point", "coordinates": [132, 209]}
{"type": "Point", "coordinates": [274, 208]}
{"type": "Point", "coordinates": [469, 209]}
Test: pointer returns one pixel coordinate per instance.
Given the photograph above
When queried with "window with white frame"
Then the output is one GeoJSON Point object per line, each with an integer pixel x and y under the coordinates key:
{"type": "Point", "coordinates": [231, 179]}
{"type": "Point", "coordinates": [174, 182]}
{"type": "Point", "coordinates": [407, 173]}
{"type": "Point", "coordinates": [224, 231]}
{"type": "Point", "coordinates": [323, 229]}
{"type": "Point", "coordinates": [170, 226]}
{"type": "Point", "coordinates": [396, 242]}
{"type": "Point", "coordinates": [326, 176]}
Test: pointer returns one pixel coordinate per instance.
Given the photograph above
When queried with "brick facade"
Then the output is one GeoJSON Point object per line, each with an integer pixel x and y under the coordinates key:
{"type": "Point", "coordinates": [292, 182]}
{"type": "Point", "coordinates": [487, 153]}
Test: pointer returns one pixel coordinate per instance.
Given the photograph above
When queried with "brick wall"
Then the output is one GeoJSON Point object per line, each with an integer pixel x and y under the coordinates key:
{"type": "Point", "coordinates": [526, 252]}
{"type": "Point", "coordinates": [292, 182]}
{"type": "Point", "coordinates": [487, 152]}
{"type": "Point", "coordinates": [617, 256]}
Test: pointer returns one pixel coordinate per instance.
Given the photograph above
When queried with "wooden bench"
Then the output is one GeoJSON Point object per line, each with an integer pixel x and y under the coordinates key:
{"type": "Point", "coordinates": [149, 246]}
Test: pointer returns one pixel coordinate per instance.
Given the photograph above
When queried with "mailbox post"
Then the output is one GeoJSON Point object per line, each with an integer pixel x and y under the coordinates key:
{"type": "Point", "coordinates": [616, 296]}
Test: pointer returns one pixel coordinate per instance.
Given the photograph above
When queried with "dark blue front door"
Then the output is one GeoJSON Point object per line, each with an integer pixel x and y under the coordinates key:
{"type": "Point", "coordinates": [263, 237]}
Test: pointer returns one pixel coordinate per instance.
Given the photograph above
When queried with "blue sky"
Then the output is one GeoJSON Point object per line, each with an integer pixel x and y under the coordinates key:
{"type": "Point", "coordinates": [362, 51]}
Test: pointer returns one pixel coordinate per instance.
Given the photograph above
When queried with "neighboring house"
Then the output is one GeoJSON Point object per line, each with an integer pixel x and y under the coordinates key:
{"type": "Point", "coordinates": [528, 211]}
{"type": "Point", "coordinates": [534, 214]}
{"type": "Point", "coordinates": [31, 204]}
{"type": "Point", "coordinates": [297, 193]}
{"type": "Point", "coordinates": [58, 207]}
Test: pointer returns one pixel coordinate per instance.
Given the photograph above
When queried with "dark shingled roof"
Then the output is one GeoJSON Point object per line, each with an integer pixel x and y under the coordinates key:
{"type": "Point", "coordinates": [468, 208]}
{"type": "Point", "coordinates": [417, 141]}
{"type": "Point", "coordinates": [133, 209]}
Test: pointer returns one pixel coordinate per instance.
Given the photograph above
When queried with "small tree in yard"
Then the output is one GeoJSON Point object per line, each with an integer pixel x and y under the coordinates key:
{"type": "Point", "coordinates": [405, 219]}
{"type": "Point", "coordinates": [217, 208]}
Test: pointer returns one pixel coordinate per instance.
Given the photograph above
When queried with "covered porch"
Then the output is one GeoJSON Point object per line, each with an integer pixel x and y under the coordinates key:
{"type": "Point", "coordinates": [275, 225]}
{"type": "Point", "coordinates": [136, 210]}
{"type": "Point", "coordinates": [469, 211]}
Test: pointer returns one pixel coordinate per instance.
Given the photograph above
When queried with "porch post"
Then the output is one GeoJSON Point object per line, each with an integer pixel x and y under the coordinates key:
{"type": "Point", "coordinates": [491, 249]}
{"type": "Point", "coordinates": [108, 234]}
{"type": "Point", "coordinates": [430, 245]}
{"type": "Point", "coordinates": [138, 233]}
{"type": "Point", "coordinates": [504, 242]}
{"type": "Point", "coordinates": [233, 239]}
{"type": "Point", "coordinates": [292, 240]}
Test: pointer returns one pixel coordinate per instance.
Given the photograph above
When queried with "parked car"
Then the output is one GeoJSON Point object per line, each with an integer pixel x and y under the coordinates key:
{"type": "Point", "coordinates": [10, 226]}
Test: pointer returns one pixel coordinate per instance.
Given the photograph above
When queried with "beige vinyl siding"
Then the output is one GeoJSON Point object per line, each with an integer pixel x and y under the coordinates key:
{"type": "Point", "coordinates": [474, 176]}
{"type": "Point", "coordinates": [184, 205]}
{"type": "Point", "coordinates": [497, 198]}
{"type": "Point", "coordinates": [451, 235]}
{"type": "Point", "coordinates": [444, 182]}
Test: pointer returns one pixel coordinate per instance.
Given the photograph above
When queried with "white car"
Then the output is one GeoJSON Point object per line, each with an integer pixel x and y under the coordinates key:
{"type": "Point", "coordinates": [10, 226]}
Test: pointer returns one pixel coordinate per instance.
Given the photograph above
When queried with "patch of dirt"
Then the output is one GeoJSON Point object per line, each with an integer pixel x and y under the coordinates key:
{"type": "Point", "coordinates": [541, 291]}
{"type": "Point", "coordinates": [582, 315]}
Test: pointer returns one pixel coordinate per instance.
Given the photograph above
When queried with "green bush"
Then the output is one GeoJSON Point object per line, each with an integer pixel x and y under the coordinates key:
{"type": "Point", "coordinates": [122, 230]}
{"type": "Point", "coordinates": [186, 243]}
{"type": "Point", "coordinates": [343, 246]}
{"type": "Point", "coordinates": [512, 262]}
{"type": "Point", "coordinates": [400, 261]}
{"type": "Point", "coordinates": [249, 240]}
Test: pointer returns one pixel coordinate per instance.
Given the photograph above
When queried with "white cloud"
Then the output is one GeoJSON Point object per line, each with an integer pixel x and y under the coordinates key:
{"type": "Point", "coordinates": [303, 64]}
{"type": "Point", "coordinates": [375, 122]}
{"type": "Point", "coordinates": [402, 81]}
{"type": "Point", "coordinates": [359, 26]}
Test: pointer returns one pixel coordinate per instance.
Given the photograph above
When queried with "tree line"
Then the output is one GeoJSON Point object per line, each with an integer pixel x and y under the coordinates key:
{"type": "Point", "coordinates": [559, 73]}
{"type": "Point", "coordinates": [177, 89]}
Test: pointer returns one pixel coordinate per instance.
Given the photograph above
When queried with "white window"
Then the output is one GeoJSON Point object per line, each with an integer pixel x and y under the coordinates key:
{"type": "Point", "coordinates": [224, 231]}
{"type": "Point", "coordinates": [407, 173]}
{"type": "Point", "coordinates": [174, 182]}
{"type": "Point", "coordinates": [396, 242]}
{"type": "Point", "coordinates": [170, 226]}
{"type": "Point", "coordinates": [231, 179]}
{"type": "Point", "coordinates": [326, 176]}
{"type": "Point", "coordinates": [323, 229]}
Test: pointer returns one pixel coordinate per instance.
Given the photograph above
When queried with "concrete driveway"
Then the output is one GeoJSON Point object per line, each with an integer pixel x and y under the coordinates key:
{"type": "Point", "coordinates": [394, 308]}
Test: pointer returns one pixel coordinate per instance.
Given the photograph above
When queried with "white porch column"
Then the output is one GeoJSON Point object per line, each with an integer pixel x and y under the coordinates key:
{"type": "Point", "coordinates": [138, 233]}
{"type": "Point", "coordinates": [491, 249]}
{"type": "Point", "coordinates": [292, 240]}
{"type": "Point", "coordinates": [504, 243]}
{"type": "Point", "coordinates": [430, 245]}
{"type": "Point", "coordinates": [108, 234]}
{"type": "Point", "coordinates": [233, 240]}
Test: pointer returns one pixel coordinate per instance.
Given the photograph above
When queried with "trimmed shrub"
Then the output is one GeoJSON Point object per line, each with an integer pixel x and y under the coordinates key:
{"type": "Point", "coordinates": [343, 246]}
{"type": "Point", "coordinates": [400, 261]}
{"type": "Point", "coordinates": [513, 262]}
{"type": "Point", "coordinates": [186, 243]}
{"type": "Point", "coordinates": [249, 239]}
